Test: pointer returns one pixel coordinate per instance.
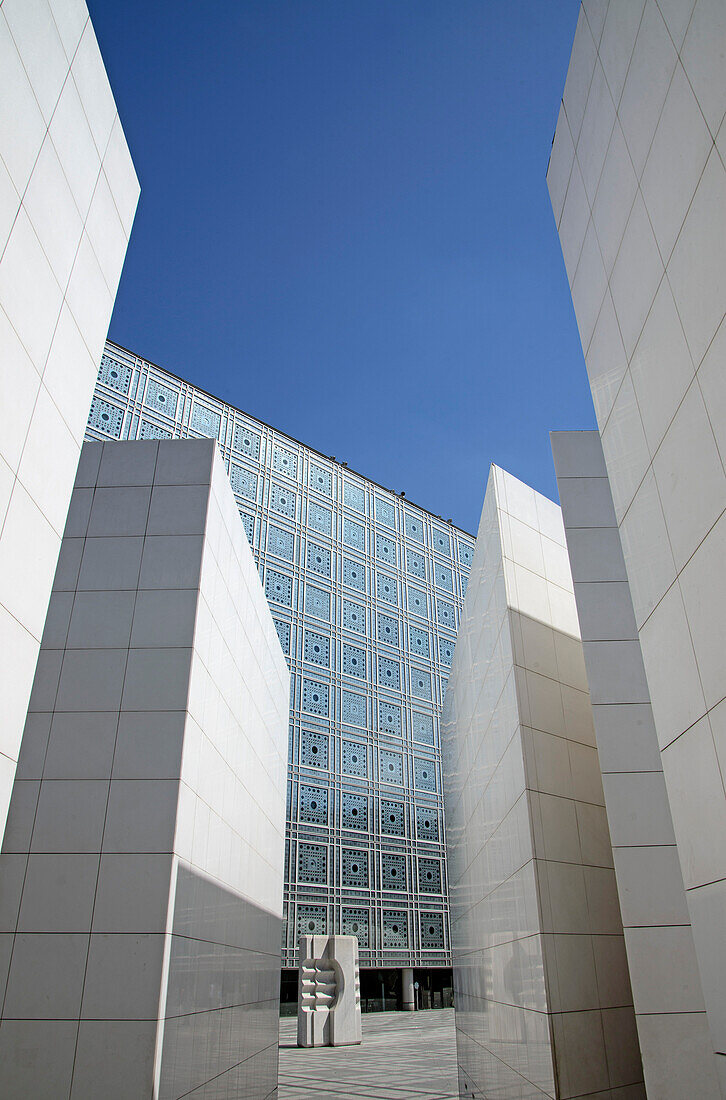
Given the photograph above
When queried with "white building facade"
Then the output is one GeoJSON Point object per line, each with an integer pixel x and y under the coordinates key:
{"type": "Point", "coordinates": [142, 865]}
{"type": "Point", "coordinates": [68, 194]}
{"type": "Point", "coordinates": [637, 179]}
{"type": "Point", "coordinates": [666, 983]}
{"type": "Point", "coordinates": [542, 996]}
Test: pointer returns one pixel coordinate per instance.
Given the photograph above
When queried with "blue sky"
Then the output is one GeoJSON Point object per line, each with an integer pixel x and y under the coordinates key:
{"type": "Point", "coordinates": [344, 226]}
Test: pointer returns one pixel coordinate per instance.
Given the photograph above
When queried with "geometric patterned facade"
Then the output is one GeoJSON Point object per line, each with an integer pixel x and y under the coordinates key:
{"type": "Point", "coordinates": [366, 590]}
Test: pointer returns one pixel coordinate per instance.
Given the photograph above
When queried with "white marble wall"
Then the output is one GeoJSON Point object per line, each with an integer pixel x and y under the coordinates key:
{"type": "Point", "coordinates": [141, 874]}
{"type": "Point", "coordinates": [543, 1003]}
{"type": "Point", "coordinates": [68, 194]}
{"type": "Point", "coordinates": [637, 179]}
{"type": "Point", "coordinates": [667, 992]}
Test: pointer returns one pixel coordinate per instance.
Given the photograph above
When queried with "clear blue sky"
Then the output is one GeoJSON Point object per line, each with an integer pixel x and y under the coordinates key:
{"type": "Point", "coordinates": [344, 226]}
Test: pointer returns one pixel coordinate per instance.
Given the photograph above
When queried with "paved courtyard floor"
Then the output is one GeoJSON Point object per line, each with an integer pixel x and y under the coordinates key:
{"type": "Point", "coordinates": [403, 1056]}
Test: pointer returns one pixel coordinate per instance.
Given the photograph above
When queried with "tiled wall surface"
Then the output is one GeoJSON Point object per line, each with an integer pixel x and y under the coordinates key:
{"type": "Point", "coordinates": [670, 1011]}
{"type": "Point", "coordinates": [637, 180]}
{"type": "Point", "coordinates": [68, 194]}
{"type": "Point", "coordinates": [365, 589]}
{"type": "Point", "coordinates": [141, 874]}
{"type": "Point", "coordinates": [543, 1002]}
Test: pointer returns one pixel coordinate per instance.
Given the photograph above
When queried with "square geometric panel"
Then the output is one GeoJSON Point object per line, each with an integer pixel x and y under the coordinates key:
{"type": "Point", "coordinates": [320, 518]}
{"type": "Point", "coordinates": [419, 641]}
{"type": "Point", "coordinates": [147, 430]}
{"type": "Point", "coordinates": [316, 649]}
{"type": "Point", "coordinates": [389, 717]}
{"type": "Point", "coordinates": [354, 617]}
{"type": "Point", "coordinates": [353, 708]}
{"type": "Point", "coordinates": [205, 421]}
{"type": "Point", "coordinates": [420, 683]}
{"type": "Point", "coordinates": [115, 375]}
{"type": "Point", "coordinates": [281, 543]}
{"type": "Point", "coordinates": [354, 868]}
{"type": "Point", "coordinates": [283, 501]}
{"type": "Point", "coordinates": [105, 417]}
{"type": "Point", "coordinates": [278, 587]}
{"type": "Point", "coordinates": [312, 920]}
{"type": "Point", "coordinates": [315, 698]}
{"type": "Point", "coordinates": [446, 651]}
{"type": "Point", "coordinates": [432, 929]}
{"type": "Point", "coordinates": [354, 534]}
{"type": "Point", "coordinates": [415, 528]}
{"type": "Point", "coordinates": [161, 398]}
{"type": "Point", "coordinates": [354, 811]}
{"type": "Point", "coordinates": [427, 823]}
{"type": "Point", "coordinates": [313, 749]}
{"type": "Point", "coordinates": [246, 442]}
{"type": "Point", "coordinates": [312, 863]}
{"type": "Point", "coordinates": [386, 550]}
{"type": "Point", "coordinates": [429, 875]}
{"type": "Point", "coordinates": [318, 559]}
{"type": "Point", "coordinates": [389, 673]}
{"type": "Point", "coordinates": [386, 588]}
{"type": "Point", "coordinates": [385, 513]}
{"type": "Point", "coordinates": [354, 574]}
{"type": "Point", "coordinates": [355, 922]}
{"type": "Point", "coordinates": [422, 728]}
{"type": "Point", "coordinates": [416, 564]}
{"type": "Point", "coordinates": [390, 767]}
{"type": "Point", "coordinates": [393, 871]}
{"type": "Point", "coordinates": [395, 928]}
{"type": "Point", "coordinates": [248, 522]}
{"type": "Point", "coordinates": [354, 758]}
{"type": "Point", "coordinates": [417, 601]}
{"type": "Point", "coordinates": [284, 461]}
{"type": "Point", "coordinates": [354, 497]}
{"type": "Point", "coordinates": [321, 480]}
{"type": "Point", "coordinates": [317, 602]}
{"type": "Point", "coordinates": [393, 820]}
{"type": "Point", "coordinates": [313, 805]}
{"type": "Point", "coordinates": [441, 542]}
{"type": "Point", "coordinates": [243, 482]}
{"type": "Point", "coordinates": [387, 630]}
{"type": "Point", "coordinates": [425, 775]}
{"type": "Point", "coordinates": [283, 633]}
{"type": "Point", "coordinates": [444, 577]}
{"type": "Point", "coordinates": [354, 661]}
{"type": "Point", "coordinates": [445, 614]}
{"type": "Point", "coordinates": [466, 553]}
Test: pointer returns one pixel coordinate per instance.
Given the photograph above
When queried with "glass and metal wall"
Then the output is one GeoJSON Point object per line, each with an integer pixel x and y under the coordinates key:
{"type": "Point", "coordinates": [365, 589]}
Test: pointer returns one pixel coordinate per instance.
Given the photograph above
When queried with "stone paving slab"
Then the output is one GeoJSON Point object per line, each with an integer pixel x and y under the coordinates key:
{"type": "Point", "coordinates": [403, 1056]}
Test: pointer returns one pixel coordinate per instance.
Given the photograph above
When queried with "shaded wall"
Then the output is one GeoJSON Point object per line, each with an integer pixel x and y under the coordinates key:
{"type": "Point", "coordinates": [543, 1003]}
{"type": "Point", "coordinates": [141, 874]}
{"type": "Point", "coordinates": [669, 1005]}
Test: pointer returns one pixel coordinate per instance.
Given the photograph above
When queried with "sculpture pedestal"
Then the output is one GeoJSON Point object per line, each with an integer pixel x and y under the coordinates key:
{"type": "Point", "coordinates": [328, 1005]}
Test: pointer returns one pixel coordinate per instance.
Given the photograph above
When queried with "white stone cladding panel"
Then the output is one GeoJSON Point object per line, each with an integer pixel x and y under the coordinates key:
{"type": "Point", "coordinates": [68, 193]}
{"type": "Point", "coordinates": [655, 363]}
{"type": "Point", "coordinates": [539, 954]}
{"type": "Point", "coordinates": [142, 865]}
{"type": "Point", "coordinates": [658, 936]}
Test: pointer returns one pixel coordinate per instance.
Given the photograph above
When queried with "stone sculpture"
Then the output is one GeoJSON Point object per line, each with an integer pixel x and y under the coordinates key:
{"type": "Point", "coordinates": [328, 1007]}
